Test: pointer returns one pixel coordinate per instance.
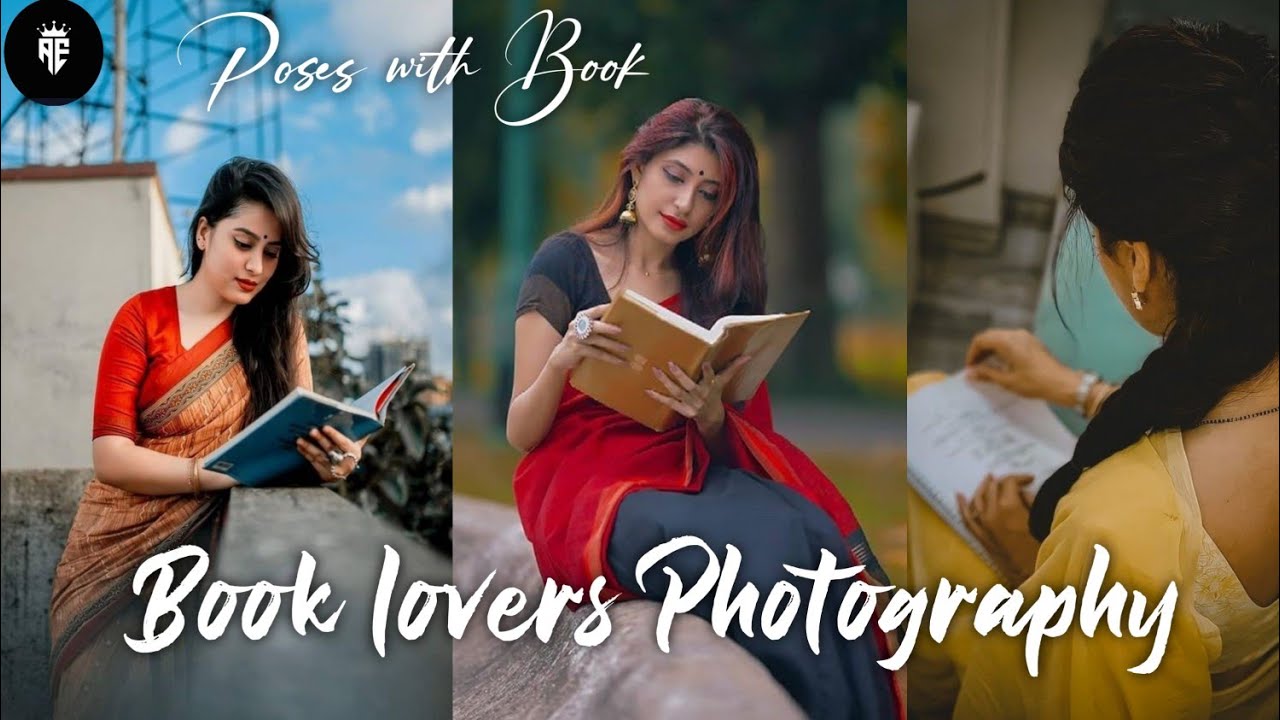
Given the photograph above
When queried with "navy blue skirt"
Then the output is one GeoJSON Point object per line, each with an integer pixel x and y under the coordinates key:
{"type": "Point", "coordinates": [771, 525]}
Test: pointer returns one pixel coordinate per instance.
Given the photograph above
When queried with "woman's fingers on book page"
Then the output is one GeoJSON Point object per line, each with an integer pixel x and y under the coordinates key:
{"type": "Point", "coordinates": [597, 312]}
{"type": "Point", "coordinates": [737, 364]}
{"type": "Point", "coordinates": [972, 522]}
{"type": "Point", "coordinates": [689, 403]}
{"type": "Point", "coordinates": [321, 439]}
{"type": "Point", "coordinates": [683, 408]}
{"type": "Point", "coordinates": [984, 344]}
{"type": "Point", "coordinates": [1014, 492]}
{"type": "Point", "coordinates": [592, 351]}
{"type": "Point", "coordinates": [311, 452]}
{"type": "Point", "coordinates": [686, 382]}
{"type": "Point", "coordinates": [343, 443]}
{"type": "Point", "coordinates": [608, 345]}
{"type": "Point", "coordinates": [601, 326]}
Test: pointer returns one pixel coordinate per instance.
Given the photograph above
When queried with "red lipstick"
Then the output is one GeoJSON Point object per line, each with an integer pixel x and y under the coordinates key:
{"type": "Point", "coordinates": [674, 223]}
{"type": "Point", "coordinates": [247, 285]}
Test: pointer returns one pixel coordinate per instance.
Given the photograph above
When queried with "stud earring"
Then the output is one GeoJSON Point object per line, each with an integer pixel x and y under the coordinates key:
{"type": "Point", "coordinates": [1137, 300]}
{"type": "Point", "coordinates": [628, 214]}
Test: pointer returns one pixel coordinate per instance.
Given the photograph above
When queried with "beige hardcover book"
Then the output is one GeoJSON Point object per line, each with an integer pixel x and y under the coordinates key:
{"type": "Point", "coordinates": [657, 336]}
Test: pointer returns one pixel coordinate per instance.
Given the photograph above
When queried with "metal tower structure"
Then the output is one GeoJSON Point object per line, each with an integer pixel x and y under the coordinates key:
{"type": "Point", "coordinates": [143, 107]}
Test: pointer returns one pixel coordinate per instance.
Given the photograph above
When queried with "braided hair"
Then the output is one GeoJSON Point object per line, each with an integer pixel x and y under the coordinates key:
{"type": "Point", "coordinates": [1171, 141]}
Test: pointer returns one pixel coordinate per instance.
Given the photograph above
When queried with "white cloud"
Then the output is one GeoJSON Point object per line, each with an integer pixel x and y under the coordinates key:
{"type": "Point", "coordinates": [374, 110]}
{"type": "Point", "coordinates": [313, 116]}
{"type": "Point", "coordinates": [393, 304]}
{"type": "Point", "coordinates": [184, 135]}
{"type": "Point", "coordinates": [379, 29]}
{"type": "Point", "coordinates": [429, 201]}
{"type": "Point", "coordinates": [431, 140]}
{"type": "Point", "coordinates": [293, 168]}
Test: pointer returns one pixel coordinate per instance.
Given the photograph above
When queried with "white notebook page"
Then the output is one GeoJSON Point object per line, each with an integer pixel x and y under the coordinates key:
{"type": "Point", "coordinates": [959, 430]}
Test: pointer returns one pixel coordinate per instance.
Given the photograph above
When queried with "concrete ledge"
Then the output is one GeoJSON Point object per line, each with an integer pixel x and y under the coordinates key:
{"type": "Point", "coordinates": [36, 510]}
{"type": "Point", "coordinates": [625, 677]}
{"type": "Point", "coordinates": [319, 675]}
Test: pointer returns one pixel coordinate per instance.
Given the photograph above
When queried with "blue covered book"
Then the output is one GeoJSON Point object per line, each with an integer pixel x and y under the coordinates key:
{"type": "Point", "coordinates": [266, 452]}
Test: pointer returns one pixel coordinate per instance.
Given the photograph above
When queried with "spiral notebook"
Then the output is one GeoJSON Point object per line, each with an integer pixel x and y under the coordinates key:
{"type": "Point", "coordinates": [958, 430]}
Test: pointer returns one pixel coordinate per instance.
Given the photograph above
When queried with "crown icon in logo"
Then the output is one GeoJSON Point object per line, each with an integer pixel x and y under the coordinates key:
{"type": "Point", "coordinates": [53, 31]}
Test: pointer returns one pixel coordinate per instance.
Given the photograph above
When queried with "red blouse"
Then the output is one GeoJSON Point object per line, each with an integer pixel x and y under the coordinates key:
{"type": "Point", "coordinates": [143, 358]}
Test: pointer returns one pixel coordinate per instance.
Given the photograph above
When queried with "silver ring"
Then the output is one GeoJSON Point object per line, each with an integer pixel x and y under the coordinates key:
{"type": "Point", "coordinates": [336, 456]}
{"type": "Point", "coordinates": [582, 326]}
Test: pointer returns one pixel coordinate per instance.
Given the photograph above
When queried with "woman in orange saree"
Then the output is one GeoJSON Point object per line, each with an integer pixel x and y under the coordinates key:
{"type": "Point", "coordinates": [162, 404]}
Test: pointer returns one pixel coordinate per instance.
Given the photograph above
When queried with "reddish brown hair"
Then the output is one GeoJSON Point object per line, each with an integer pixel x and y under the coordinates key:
{"type": "Point", "coordinates": [732, 278]}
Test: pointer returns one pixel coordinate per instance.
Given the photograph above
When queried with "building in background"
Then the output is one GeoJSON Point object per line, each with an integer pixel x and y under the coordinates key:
{"type": "Point", "coordinates": [384, 357]}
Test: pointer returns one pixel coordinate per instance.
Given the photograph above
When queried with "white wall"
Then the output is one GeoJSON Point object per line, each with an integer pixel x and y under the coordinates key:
{"type": "Point", "coordinates": [74, 250]}
{"type": "Point", "coordinates": [994, 79]}
{"type": "Point", "coordinates": [166, 258]}
{"type": "Point", "coordinates": [957, 59]}
{"type": "Point", "coordinates": [1050, 47]}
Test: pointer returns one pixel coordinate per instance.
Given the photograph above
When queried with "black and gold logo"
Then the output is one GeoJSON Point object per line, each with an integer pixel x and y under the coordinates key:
{"type": "Point", "coordinates": [53, 52]}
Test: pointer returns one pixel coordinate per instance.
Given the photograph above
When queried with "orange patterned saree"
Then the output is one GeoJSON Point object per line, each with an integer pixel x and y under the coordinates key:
{"type": "Point", "coordinates": [178, 401]}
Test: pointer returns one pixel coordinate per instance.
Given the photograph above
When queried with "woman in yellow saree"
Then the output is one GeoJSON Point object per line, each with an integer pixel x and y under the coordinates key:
{"type": "Point", "coordinates": [1170, 152]}
{"type": "Point", "coordinates": [182, 370]}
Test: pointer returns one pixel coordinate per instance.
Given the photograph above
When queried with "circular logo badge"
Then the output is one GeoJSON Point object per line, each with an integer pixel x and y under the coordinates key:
{"type": "Point", "coordinates": [53, 52]}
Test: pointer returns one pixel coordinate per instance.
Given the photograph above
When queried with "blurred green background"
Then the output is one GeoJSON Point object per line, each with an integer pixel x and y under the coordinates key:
{"type": "Point", "coordinates": [821, 88]}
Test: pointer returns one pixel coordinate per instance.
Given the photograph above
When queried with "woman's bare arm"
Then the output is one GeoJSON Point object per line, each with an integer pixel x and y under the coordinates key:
{"type": "Point", "coordinates": [543, 360]}
{"type": "Point", "coordinates": [536, 386]}
{"type": "Point", "coordinates": [117, 461]}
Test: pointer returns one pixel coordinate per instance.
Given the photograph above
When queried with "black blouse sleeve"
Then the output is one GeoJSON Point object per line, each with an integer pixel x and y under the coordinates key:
{"type": "Point", "coordinates": [551, 284]}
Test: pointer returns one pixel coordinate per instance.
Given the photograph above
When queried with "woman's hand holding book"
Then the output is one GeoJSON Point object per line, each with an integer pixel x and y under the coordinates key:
{"type": "Point", "coordinates": [597, 342]}
{"type": "Point", "coordinates": [333, 455]}
{"type": "Point", "coordinates": [700, 401]}
{"type": "Point", "coordinates": [998, 516]}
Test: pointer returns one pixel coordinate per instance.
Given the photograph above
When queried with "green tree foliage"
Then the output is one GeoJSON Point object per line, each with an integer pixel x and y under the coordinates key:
{"type": "Point", "coordinates": [406, 472]}
{"type": "Point", "coordinates": [779, 66]}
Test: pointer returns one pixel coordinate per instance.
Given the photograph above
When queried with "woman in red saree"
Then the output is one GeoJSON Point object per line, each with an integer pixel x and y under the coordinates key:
{"type": "Point", "coordinates": [597, 489]}
{"type": "Point", "coordinates": [183, 369]}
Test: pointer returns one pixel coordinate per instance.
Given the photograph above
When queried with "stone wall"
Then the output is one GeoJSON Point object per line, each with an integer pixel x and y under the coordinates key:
{"type": "Point", "coordinates": [36, 509]}
{"type": "Point", "coordinates": [704, 676]}
{"type": "Point", "coordinates": [320, 675]}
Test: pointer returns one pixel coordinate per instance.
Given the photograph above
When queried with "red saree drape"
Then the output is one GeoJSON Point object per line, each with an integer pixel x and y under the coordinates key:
{"type": "Point", "coordinates": [569, 487]}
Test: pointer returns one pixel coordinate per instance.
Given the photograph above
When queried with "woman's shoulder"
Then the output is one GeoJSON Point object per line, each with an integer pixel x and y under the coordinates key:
{"type": "Point", "coordinates": [1129, 494]}
{"type": "Point", "coordinates": [151, 302]}
{"type": "Point", "coordinates": [565, 246]}
{"type": "Point", "coordinates": [564, 259]}
{"type": "Point", "coordinates": [147, 308]}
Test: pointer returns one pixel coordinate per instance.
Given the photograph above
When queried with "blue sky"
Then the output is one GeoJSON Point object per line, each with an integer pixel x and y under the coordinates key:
{"type": "Point", "coordinates": [373, 164]}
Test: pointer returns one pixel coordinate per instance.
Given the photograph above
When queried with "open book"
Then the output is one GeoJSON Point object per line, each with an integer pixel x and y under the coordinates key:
{"type": "Point", "coordinates": [958, 430]}
{"type": "Point", "coordinates": [266, 451]}
{"type": "Point", "coordinates": [657, 336]}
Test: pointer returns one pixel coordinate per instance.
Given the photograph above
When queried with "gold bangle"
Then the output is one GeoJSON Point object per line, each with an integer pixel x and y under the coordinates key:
{"type": "Point", "coordinates": [194, 479]}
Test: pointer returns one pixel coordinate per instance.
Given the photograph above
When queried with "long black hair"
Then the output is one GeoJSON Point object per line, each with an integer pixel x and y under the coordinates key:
{"type": "Point", "coordinates": [266, 329]}
{"type": "Point", "coordinates": [1171, 141]}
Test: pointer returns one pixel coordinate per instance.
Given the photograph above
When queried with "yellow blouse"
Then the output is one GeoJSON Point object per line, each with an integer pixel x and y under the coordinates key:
{"type": "Point", "coordinates": [1221, 659]}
